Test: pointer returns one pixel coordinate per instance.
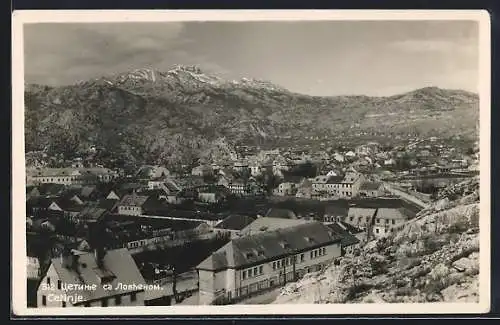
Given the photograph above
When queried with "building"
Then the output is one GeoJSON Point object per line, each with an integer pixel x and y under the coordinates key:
{"type": "Point", "coordinates": [360, 216]}
{"type": "Point", "coordinates": [147, 173]}
{"type": "Point", "coordinates": [70, 176]}
{"type": "Point", "coordinates": [212, 193]}
{"type": "Point", "coordinates": [349, 240]}
{"type": "Point", "coordinates": [304, 189]}
{"type": "Point", "coordinates": [389, 220]}
{"type": "Point", "coordinates": [255, 263]}
{"type": "Point", "coordinates": [349, 187]}
{"type": "Point", "coordinates": [371, 189]}
{"type": "Point", "coordinates": [91, 279]}
{"type": "Point", "coordinates": [132, 204]}
{"type": "Point", "coordinates": [234, 224]}
{"type": "Point", "coordinates": [286, 189]}
{"type": "Point", "coordinates": [202, 171]}
{"type": "Point", "coordinates": [255, 170]}
{"type": "Point", "coordinates": [334, 213]}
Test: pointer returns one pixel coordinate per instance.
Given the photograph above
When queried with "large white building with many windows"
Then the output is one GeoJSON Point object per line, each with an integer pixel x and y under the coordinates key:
{"type": "Point", "coordinates": [256, 263]}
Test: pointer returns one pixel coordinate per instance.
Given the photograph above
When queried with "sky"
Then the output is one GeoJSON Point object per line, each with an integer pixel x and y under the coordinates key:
{"type": "Point", "coordinates": [377, 58]}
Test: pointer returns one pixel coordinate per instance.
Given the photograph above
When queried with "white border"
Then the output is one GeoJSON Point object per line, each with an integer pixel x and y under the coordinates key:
{"type": "Point", "coordinates": [92, 16]}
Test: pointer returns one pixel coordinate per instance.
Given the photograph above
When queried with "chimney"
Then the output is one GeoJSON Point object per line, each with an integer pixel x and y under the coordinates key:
{"type": "Point", "coordinates": [96, 238]}
{"type": "Point", "coordinates": [69, 260]}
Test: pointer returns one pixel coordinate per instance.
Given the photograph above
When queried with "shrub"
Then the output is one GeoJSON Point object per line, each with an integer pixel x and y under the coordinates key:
{"type": "Point", "coordinates": [431, 245]}
{"type": "Point", "coordinates": [405, 291]}
{"type": "Point", "coordinates": [458, 227]}
{"type": "Point", "coordinates": [379, 266]}
{"type": "Point", "coordinates": [358, 288]}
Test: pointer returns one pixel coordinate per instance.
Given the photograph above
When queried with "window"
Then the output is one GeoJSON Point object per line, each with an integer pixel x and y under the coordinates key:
{"type": "Point", "coordinates": [59, 284]}
{"type": "Point", "coordinates": [64, 304]}
{"type": "Point", "coordinates": [48, 280]}
{"type": "Point", "coordinates": [255, 271]}
{"type": "Point", "coordinates": [302, 257]}
{"type": "Point", "coordinates": [351, 218]}
{"type": "Point", "coordinates": [311, 254]}
{"type": "Point", "coordinates": [377, 230]}
{"type": "Point", "coordinates": [393, 222]}
{"type": "Point", "coordinates": [261, 269]}
{"type": "Point", "coordinates": [118, 300]}
{"type": "Point", "coordinates": [378, 220]}
{"type": "Point", "coordinates": [133, 297]}
{"type": "Point", "coordinates": [324, 250]}
{"type": "Point", "coordinates": [250, 273]}
{"type": "Point", "coordinates": [104, 302]}
{"type": "Point", "coordinates": [44, 300]}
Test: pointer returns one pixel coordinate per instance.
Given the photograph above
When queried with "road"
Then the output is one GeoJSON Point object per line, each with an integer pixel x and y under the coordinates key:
{"type": "Point", "coordinates": [404, 195]}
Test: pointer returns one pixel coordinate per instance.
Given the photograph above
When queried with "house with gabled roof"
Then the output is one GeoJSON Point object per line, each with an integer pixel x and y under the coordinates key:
{"type": "Point", "coordinates": [371, 189]}
{"type": "Point", "coordinates": [147, 172]}
{"type": "Point", "coordinates": [92, 279]}
{"type": "Point", "coordinates": [234, 224]}
{"type": "Point", "coordinates": [255, 263]}
{"type": "Point", "coordinates": [132, 204]}
{"type": "Point", "coordinates": [389, 220]}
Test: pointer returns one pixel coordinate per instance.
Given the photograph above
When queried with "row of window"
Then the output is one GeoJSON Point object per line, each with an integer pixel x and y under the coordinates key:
{"type": "Point", "coordinates": [386, 221]}
{"type": "Point", "coordinates": [58, 179]}
{"type": "Point", "coordinates": [286, 261]}
{"type": "Point", "coordinates": [271, 282]}
{"type": "Point", "coordinates": [318, 252]}
{"type": "Point", "coordinates": [104, 302]}
{"type": "Point", "coordinates": [360, 219]}
{"type": "Point", "coordinates": [130, 208]}
{"type": "Point", "coordinates": [383, 230]}
{"type": "Point", "coordinates": [252, 272]}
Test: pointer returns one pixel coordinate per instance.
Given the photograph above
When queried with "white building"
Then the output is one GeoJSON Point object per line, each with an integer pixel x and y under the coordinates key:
{"type": "Point", "coordinates": [265, 260]}
{"type": "Point", "coordinates": [100, 279]}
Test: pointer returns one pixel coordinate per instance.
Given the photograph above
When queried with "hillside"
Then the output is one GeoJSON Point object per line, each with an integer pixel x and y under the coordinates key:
{"type": "Point", "coordinates": [434, 258]}
{"type": "Point", "coordinates": [173, 116]}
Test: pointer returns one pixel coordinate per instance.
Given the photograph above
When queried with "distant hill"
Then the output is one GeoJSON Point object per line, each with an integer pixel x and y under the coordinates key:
{"type": "Point", "coordinates": [180, 115]}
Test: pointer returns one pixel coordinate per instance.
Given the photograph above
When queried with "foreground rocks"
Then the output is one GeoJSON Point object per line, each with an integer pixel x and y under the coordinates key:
{"type": "Point", "coordinates": [435, 258]}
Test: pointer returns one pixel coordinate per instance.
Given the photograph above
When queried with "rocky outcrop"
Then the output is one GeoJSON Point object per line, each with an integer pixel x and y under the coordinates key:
{"type": "Point", "coordinates": [435, 258]}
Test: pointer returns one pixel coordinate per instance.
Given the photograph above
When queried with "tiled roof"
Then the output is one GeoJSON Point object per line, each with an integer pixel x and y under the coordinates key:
{"type": "Point", "coordinates": [91, 213]}
{"type": "Point", "coordinates": [361, 212]}
{"type": "Point", "coordinates": [271, 224]}
{"type": "Point", "coordinates": [235, 222]}
{"type": "Point", "coordinates": [69, 205]}
{"type": "Point", "coordinates": [51, 189]}
{"type": "Point", "coordinates": [107, 204]}
{"type": "Point", "coordinates": [133, 200]}
{"type": "Point", "coordinates": [116, 263]}
{"type": "Point", "coordinates": [347, 238]}
{"type": "Point", "coordinates": [280, 213]}
{"type": "Point", "coordinates": [370, 186]}
{"type": "Point", "coordinates": [87, 191]}
{"type": "Point", "coordinates": [396, 214]}
{"type": "Point", "coordinates": [335, 210]}
{"type": "Point", "coordinates": [266, 246]}
{"type": "Point", "coordinates": [334, 179]}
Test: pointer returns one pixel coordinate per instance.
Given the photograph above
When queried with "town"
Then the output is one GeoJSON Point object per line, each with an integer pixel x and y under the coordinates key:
{"type": "Point", "coordinates": [221, 233]}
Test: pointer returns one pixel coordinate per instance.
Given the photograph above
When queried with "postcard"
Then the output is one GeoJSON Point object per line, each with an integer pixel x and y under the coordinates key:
{"type": "Point", "coordinates": [251, 162]}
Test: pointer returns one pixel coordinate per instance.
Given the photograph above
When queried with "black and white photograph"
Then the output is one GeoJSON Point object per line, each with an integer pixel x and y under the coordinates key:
{"type": "Point", "coordinates": [251, 162]}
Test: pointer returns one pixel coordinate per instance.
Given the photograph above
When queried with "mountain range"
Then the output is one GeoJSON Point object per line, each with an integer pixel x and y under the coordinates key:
{"type": "Point", "coordinates": [175, 116]}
